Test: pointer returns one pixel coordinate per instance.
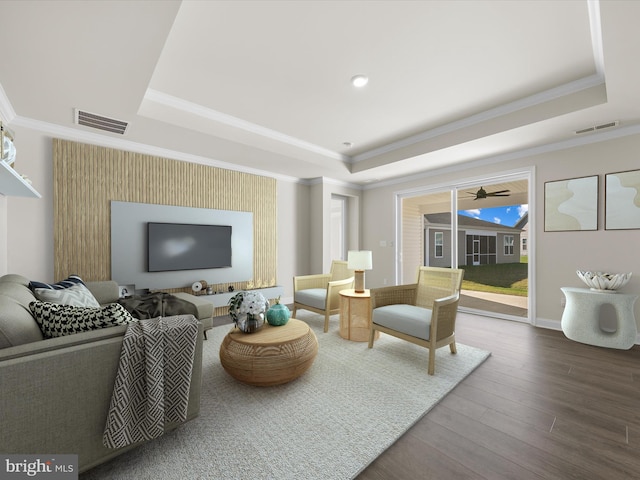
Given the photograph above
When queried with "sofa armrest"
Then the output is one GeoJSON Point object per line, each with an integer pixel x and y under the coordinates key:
{"type": "Point", "coordinates": [203, 307]}
{"type": "Point", "coordinates": [54, 398]}
{"type": "Point", "coordinates": [59, 343]}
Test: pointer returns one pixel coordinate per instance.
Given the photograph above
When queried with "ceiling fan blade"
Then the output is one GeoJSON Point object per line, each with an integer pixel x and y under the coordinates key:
{"type": "Point", "coordinates": [498, 195]}
{"type": "Point", "coordinates": [500, 191]}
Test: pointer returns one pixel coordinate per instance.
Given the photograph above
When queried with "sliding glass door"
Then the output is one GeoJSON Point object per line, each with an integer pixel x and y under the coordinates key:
{"type": "Point", "coordinates": [479, 226]}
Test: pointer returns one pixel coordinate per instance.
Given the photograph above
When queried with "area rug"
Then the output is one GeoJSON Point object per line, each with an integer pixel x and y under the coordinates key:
{"type": "Point", "coordinates": [330, 423]}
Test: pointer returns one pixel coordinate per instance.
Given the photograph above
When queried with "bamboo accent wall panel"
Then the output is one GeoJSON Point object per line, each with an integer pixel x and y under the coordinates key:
{"type": "Point", "coordinates": [87, 177]}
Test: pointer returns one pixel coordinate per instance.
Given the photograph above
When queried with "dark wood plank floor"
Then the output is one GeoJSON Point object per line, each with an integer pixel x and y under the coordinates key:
{"type": "Point", "coordinates": [541, 407]}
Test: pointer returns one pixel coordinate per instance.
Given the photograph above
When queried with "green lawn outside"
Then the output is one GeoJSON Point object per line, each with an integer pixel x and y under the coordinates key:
{"type": "Point", "coordinates": [507, 278]}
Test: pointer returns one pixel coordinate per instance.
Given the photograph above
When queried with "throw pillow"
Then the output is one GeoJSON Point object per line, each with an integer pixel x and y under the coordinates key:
{"type": "Point", "coordinates": [77, 296]}
{"type": "Point", "coordinates": [71, 291]}
{"type": "Point", "coordinates": [66, 283]}
{"type": "Point", "coordinates": [57, 320]}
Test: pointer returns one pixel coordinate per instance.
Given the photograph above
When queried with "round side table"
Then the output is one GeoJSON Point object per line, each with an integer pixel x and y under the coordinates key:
{"type": "Point", "coordinates": [270, 356]}
{"type": "Point", "coordinates": [355, 315]}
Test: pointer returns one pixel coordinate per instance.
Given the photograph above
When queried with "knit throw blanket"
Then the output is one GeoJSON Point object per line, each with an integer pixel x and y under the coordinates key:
{"type": "Point", "coordinates": [153, 379]}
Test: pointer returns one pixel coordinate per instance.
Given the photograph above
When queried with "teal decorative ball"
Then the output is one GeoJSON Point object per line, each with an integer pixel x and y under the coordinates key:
{"type": "Point", "coordinates": [278, 314]}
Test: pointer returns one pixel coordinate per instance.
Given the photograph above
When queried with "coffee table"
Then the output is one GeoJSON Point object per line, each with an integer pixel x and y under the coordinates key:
{"type": "Point", "coordinates": [270, 356]}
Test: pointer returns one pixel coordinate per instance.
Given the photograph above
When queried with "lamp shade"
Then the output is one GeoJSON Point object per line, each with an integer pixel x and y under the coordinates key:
{"type": "Point", "coordinates": [359, 260]}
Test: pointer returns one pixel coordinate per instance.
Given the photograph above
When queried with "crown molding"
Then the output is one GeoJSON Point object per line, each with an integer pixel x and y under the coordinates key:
{"type": "Point", "coordinates": [122, 144]}
{"type": "Point", "coordinates": [598, 137]}
{"type": "Point", "coordinates": [505, 109]}
{"type": "Point", "coordinates": [235, 122]}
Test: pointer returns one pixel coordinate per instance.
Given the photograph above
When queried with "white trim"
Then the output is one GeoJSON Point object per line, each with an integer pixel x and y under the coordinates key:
{"type": "Point", "coordinates": [73, 134]}
{"type": "Point", "coordinates": [549, 324]}
{"type": "Point", "coordinates": [577, 141]}
{"type": "Point", "coordinates": [595, 24]}
{"type": "Point", "coordinates": [482, 233]}
{"type": "Point", "coordinates": [7, 113]}
{"type": "Point", "coordinates": [501, 110]}
{"type": "Point", "coordinates": [235, 122]}
{"type": "Point", "coordinates": [557, 325]}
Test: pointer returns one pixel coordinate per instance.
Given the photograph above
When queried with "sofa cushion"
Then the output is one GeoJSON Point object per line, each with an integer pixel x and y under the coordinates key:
{"type": "Point", "coordinates": [409, 319]}
{"type": "Point", "coordinates": [57, 320]}
{"type": "Point", "coordinates": [77, 296]}
{"type": "Point", "coordinates": [314, 297]}
{"type": "Point", "coordinates": [66, 283]}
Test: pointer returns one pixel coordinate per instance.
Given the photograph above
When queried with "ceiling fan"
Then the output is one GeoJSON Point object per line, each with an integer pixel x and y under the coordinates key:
{"type": "Point", "coordinates": [482, 193]}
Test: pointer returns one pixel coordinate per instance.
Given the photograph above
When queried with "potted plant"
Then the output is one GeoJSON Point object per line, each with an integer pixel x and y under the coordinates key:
{"type": "Point", "coordinates": [247, 310]}
{"type": "Point", "coordinates": [278, 314]}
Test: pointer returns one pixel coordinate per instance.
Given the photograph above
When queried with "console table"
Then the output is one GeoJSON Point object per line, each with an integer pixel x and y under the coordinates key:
{"type": "Point", "coordinates": [581, 320]}
{"type": "Point", "coordinates": [222, 299]}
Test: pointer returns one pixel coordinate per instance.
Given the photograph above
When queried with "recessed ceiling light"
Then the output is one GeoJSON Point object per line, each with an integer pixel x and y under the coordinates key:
{"type": "Point", "coordinates": [359, 80]}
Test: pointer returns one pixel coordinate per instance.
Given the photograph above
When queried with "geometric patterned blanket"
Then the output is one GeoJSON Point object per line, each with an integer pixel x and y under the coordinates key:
{"type": "Point", "coordinates": [153, 379]}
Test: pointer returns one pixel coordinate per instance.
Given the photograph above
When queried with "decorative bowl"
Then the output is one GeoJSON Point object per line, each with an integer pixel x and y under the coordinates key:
{"type": "Point", "coordinates": [604, 282]}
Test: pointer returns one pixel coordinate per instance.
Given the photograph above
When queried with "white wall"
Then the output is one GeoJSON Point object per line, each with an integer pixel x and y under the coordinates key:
{"type": "Point", "coordinates": [294, 229]}
{"type": "Point", "coordinates": [30, 220]}
{"type": "Point", "coordinates": [558, 254]}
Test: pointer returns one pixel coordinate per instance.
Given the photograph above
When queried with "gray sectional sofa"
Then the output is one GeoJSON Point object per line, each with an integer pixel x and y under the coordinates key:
{"type": "Point", "coordinates": [55, 393]}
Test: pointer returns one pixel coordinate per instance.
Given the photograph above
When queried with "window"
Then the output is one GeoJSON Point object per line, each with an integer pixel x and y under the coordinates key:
{"type": "Point", "coordinates": [439, 244]}
{"type": "Point", "coordinates": [524, 244]}
{"type": "Point", "coordinates": [508, 244]}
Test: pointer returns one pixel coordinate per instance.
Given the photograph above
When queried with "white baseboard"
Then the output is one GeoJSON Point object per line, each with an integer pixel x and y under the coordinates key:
{"type": "Point", "coordinates": [546, 323]}
{"type": "Point", "coordinates": [555, 325]}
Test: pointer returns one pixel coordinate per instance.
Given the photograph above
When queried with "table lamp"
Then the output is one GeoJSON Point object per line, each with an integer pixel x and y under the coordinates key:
{"type": "Point", "coordinates": [359, 261]}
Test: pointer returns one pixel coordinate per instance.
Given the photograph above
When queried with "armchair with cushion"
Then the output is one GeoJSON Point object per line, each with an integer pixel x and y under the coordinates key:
{"type": "Point", "coordinates": [423, 313]}
{"type": "Point", "coordinates": [319, 293]}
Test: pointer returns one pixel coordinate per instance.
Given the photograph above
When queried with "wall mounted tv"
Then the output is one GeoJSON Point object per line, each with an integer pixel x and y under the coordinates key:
{"type": "Point", "coordinates": [181, 246]}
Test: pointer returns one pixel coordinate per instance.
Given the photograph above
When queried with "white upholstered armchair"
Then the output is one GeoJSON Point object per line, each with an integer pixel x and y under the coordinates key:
{"type": "Point", "coordinates": [319, 293]}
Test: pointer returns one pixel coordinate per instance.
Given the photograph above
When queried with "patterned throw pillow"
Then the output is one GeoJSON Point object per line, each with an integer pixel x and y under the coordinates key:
{"type": "Point", "coordinates": [71, 291]}
{"type": "Point", "coordinates": [57, 320]}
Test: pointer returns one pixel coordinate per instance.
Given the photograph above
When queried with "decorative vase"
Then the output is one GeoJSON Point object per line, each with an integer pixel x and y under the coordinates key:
{"type": "Point", "coordinates": [278, 314]}
{"type": "Point", "coordinates": [248, 323]}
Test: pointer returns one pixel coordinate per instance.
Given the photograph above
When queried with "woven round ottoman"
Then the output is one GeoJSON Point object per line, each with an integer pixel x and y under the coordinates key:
{"type": "Point", "coordinates": [270, 356]}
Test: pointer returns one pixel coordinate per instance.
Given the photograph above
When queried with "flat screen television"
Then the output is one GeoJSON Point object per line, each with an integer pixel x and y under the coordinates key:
{"type": "Point", "coordinates": [181, 246]}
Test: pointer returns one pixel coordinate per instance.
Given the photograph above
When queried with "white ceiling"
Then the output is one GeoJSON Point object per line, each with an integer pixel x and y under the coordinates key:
{"type": "Point", "coordinates": [264, 85]}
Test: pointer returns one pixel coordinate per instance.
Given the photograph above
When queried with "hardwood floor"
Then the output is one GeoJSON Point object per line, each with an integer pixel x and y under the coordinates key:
{"type": "Point", "coordinates": [541, 407]}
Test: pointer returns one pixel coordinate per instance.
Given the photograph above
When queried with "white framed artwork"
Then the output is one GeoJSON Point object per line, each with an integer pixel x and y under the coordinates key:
{"type": "Point", "coordinates": [622, 200]}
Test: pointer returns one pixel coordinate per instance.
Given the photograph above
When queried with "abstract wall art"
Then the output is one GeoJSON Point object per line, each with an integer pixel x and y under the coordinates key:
{"type": "Point", "coordinates": [622, 200]}
{"type": "Point", "coordinates": [571, 205]}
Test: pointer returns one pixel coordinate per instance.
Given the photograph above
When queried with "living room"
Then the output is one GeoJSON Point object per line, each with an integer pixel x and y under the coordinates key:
{"type": "Point", "coordinates": [299, 232]}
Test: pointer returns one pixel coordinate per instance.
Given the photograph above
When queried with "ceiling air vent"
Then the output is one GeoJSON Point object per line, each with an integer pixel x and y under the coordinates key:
{"type": "Point", "coordinates": [100, 122]}
{"type": "Point", "coordinates": [597, 127]}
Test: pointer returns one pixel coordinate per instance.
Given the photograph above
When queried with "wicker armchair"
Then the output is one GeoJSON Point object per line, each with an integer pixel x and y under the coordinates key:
{"type": "Point", "coordinates": [319, 293]}
{"type": "Point", "coordinates": [423, 313]}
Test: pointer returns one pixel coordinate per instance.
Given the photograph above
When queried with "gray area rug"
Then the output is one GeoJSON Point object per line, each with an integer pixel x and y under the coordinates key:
{"type": "Point", "coordinates": [330, 423]}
